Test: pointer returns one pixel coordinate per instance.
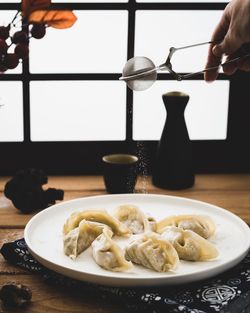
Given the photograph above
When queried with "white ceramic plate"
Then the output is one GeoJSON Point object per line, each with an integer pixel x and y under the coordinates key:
{"type": "Point", "coordinates": [43, 235]}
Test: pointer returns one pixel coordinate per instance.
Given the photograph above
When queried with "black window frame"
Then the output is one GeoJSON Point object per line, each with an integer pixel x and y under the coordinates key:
{"type": "Point", "coordinates": [84, 157]}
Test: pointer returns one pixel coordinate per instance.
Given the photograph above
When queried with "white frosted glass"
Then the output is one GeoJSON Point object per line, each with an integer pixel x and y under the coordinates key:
{"type": "Point", "coordinates": [11, 111]}
{"type": "Point", "coordinates": [11, 1]}
{"type": "Point", "coordinates": [90, 1]}
{"type": "Point", "coordinates": [96, 43]}
{"type": "Point", "coordinates": [206, 113]}
{"type": "Point", "coordinates": [182, 1]}
{"type": "Point", "coordinates": [77, 110]}
{"type": "Point", "coordinates": [5, 18]}
{"type": "Point", "coordinates": [157, 31]}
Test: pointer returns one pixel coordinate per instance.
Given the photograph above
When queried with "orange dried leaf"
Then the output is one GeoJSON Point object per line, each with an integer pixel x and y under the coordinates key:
{"type": "Point", "coordinates": [29, 6]}
{"type": "Point", "coordinates": [53, 18]}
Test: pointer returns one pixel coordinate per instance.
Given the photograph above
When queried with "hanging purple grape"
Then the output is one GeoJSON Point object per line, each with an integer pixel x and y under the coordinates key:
{"type": "Point", "coordinates": [31, 22]}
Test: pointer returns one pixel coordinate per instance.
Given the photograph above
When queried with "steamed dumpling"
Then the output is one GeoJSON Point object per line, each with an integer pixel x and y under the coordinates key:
{"type": "Point", "coordinates": [81, 237]}
{"type": "Point", "coordinates": [202, 225]}
{"type": "Point", "coordinates": [153, 252]}
{"type": "Point", "coordinates": [108, 254]}
{"type": "Point", "coordinates": [189, 245]}
{"type": "Point", "coordinates": [152, 223]}
{"type": "Point", "coordinates": [134, 219]}
{"type": "Point", "coordinates": [100, 216]}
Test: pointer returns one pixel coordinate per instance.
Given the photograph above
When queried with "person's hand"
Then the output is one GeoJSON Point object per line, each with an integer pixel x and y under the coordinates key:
{"type": "Point", "coordinates": [231, 33]}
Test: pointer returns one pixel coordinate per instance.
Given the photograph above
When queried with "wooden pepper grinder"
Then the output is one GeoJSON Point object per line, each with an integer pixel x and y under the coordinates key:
{"type": "Point", "coordinates": [173, 164]}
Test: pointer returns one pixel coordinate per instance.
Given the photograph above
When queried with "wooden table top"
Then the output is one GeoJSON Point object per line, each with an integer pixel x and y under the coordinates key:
{"type": "Point", "coordinates": [230, 191]}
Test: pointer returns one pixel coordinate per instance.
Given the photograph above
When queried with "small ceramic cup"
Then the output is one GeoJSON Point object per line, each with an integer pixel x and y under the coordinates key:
{"type": "Point", "coordinates": [120, 172]}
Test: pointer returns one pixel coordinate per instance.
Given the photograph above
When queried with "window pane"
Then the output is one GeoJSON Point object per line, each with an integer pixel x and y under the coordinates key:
{"type": "Point", "coordinates": [5, 18]}
{"type": "Point", "coordinates": [155, 34]}
{"type": "Point", "coordinates": [206, 113]}
{"type": "Point", "coordinates": [11, 111]}
{"type": "Point", "coordinates": [90, 1]}
{"type": "Point", "coordinates": [182, 1]}
{"type": "Point", "coordinates": [97, 43]}
{"type": "Point", "coordinates": [78, 110]}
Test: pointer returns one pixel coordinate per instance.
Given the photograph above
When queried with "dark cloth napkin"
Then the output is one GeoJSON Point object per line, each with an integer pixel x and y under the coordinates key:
{"type": "Point", "coordinates": [228, 292]}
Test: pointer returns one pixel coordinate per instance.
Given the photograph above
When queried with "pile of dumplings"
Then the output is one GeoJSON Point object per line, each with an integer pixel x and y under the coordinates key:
{"type": "Point", "coordinates": [155, 245]}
